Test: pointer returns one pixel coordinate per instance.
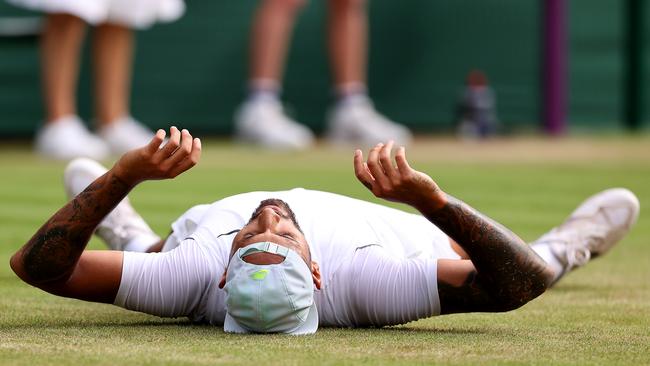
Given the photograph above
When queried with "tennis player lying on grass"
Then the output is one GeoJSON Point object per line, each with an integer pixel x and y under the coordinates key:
{"type": "Point", "coordinates": [349, 263]}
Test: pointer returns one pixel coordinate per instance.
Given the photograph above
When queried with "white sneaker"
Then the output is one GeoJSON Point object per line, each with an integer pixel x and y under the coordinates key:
{"type": "Point", "coordinates": [264, 123]}
{"type": "Point", "coordinates": [593, 228]}
{"type": "Point", "coordinates": [357, 121]}
{"type": "Point", "coordinates": [123, 228]}
{"type": "Point", "coordinates": [67, 138]}
{"type": "Point", "coordinates": [125, 134]}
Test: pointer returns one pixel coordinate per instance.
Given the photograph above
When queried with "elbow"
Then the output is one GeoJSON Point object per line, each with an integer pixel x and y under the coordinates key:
{"type": "Point", "coordinates": [511, 300]}
{"type": "Point", "coordinates": [16, 264]}
{"type": "Point", "coordinates": [518, 293]}
{"type": "Point", "coordinates": [504, 305]}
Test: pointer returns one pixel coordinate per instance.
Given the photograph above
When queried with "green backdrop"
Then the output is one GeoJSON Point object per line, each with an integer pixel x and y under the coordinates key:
{"type": "Point", "coordinates": [192, 72]}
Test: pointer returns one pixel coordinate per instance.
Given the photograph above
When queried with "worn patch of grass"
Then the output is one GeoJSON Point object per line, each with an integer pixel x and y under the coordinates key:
{"type": "Point", "coordinates": [598, 315]}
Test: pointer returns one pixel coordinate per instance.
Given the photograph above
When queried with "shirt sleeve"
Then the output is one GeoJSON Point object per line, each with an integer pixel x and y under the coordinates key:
{"type": "Point", "coordinates": [386, 290]}
{"type": "Point", "coordinates": [169, 284]}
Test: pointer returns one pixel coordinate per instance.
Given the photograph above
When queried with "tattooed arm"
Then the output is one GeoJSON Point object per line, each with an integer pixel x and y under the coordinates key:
{"type": "Point", "coordinates": [503, 273]}
{"type": "Point", "coordinates": [51, 258]}
{"type": "Point", "coordinates": [54, 258]}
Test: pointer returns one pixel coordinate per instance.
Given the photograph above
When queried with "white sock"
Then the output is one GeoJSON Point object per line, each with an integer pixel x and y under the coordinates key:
{"type": "Point", "coordinates": [544, 251]}
{"type": "Point", "coordinates": [263, 90]}
{"type": "Point", "coordinates": [263, 96]}
{"type": "Point", "coordinates": [350, 93]}
{"type": "Point", "coordinates": [141, 243]}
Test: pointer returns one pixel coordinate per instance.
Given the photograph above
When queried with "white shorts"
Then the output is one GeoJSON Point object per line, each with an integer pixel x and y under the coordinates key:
{"type": "Point", "coordinates": [131, 13]}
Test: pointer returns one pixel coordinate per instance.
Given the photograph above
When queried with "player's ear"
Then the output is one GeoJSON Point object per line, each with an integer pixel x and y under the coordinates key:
{"type": "Point", "coordinates": [315, 274]}
{"type": "Point", "coordinates": [222, 282]}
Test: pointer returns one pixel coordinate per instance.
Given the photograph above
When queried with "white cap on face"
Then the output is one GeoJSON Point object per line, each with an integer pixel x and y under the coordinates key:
{"type": "Point", "coordinates": [270, 298]}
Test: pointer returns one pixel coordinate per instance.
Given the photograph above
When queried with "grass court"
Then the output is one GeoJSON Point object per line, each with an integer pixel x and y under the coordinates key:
{"type": "Point", "coordinates": [599, 314]}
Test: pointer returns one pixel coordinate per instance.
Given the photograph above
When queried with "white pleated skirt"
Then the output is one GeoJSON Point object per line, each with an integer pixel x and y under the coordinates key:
{"type": "Point", "coordinates": [131, 13]}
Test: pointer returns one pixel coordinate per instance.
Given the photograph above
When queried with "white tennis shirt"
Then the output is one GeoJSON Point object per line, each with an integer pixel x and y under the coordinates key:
{"type": "Point", "coordinates": [378, 264]}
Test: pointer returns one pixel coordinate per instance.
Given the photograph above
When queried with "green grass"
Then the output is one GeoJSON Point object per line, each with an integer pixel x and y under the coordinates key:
{"type": "Point", "coordinates": [598, 315]}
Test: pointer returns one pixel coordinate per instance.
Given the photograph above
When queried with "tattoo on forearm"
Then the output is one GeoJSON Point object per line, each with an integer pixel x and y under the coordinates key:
{"type": "Point", "coordinates": [508, 272]}
{"type": "Point", "coordinates": [51, 254]}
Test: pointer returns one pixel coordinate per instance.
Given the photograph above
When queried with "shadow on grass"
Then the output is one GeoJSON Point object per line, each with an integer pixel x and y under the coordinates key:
{"type": "Point", "coordinates": [404, 330]}
{"type": "Point", "coordinates": [171, 324]}
{"type": "Point", "coordinates": [84, 324]}
{"type": "Point", "coordinates": [577, 287]}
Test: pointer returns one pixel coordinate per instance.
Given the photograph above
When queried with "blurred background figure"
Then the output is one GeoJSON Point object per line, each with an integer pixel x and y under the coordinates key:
{"type": "Point", "coordinates": [477, 116]}
{"type": "Point", "coordinates": [63, 134]}
{"type": "Point", "coordinates": [353, 118]}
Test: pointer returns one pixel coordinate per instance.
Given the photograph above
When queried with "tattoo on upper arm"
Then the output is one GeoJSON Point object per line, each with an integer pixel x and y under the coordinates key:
{"type": "Point", "coordinates": [51, 254]}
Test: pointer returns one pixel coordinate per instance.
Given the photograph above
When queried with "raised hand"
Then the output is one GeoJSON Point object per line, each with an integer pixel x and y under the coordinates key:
{"type": "Point", "coordinates": [396, 182]}
{"type": "Point", "coordinates": [153, 162]}
{"type": "Point", "coordinates": [51, 258]}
